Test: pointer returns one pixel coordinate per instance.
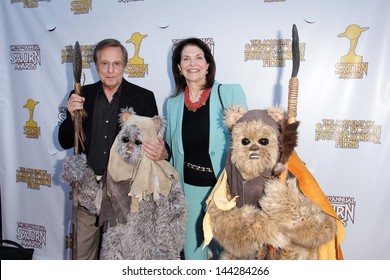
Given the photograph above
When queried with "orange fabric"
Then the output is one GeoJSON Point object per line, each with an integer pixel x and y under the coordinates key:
{"type": "Point", "coordinates": [312, 190]}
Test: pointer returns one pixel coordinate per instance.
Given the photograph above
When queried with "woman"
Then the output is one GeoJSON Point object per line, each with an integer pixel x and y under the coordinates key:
{"type": "Point", "coordinates": [196, 132]}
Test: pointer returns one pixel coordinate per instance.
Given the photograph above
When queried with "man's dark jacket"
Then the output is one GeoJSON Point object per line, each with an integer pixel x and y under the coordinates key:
{"type": "Point", "coordinates": [141, 100]}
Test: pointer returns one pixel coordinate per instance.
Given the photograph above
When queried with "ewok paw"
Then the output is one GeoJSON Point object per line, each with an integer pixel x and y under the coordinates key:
{"type": "Point", "coordinates": [76, 172]}
{"type": "Point", "coordinates": [303, 222]}
{"type": "Point", "coordinates": [76, 169]}
{"type": "Point", "coordinates": [242, 232]}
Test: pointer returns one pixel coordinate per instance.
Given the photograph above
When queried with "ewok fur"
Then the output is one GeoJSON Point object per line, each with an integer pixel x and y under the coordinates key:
{"type": "Point", "coordinates": [140, 202]}
{"type": "Point", "coordinates": [253, 214]}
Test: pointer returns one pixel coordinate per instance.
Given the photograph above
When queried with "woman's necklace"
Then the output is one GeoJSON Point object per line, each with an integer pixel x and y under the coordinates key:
{"type": "Point", "coordinates": [193, 106]}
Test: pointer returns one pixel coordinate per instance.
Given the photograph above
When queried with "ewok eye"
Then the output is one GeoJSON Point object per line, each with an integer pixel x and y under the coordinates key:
{"type": "Point", "coordinates": [263, 141]}
{"type": "Point", "coordinates": [125, 139]}
{"type": "Point", "coordinates": [245, 141]}
{"type": "Point", "coordinates": [138, 142]}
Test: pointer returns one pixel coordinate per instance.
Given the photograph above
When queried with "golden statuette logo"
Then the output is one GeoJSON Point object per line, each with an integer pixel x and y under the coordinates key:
{"type": "Point", "coordinates": [352, 65]}
{"type": "Point", "coordinates": [136, 67]}
{"type": "Point", "coordinates": [31, 129]}
{"type": "Point", "coordinates": [352, 33]}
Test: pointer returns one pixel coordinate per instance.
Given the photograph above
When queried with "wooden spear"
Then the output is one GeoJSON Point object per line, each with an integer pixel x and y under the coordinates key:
{"type": "Point", "coordinates": [79, 138]}
{"type": "Point", "coordinates": [293, 86]}
{"type": "Point", "coordinates": [294, 83]}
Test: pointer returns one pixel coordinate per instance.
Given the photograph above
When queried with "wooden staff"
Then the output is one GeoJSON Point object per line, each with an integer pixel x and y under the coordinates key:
{"type": "Point", "coordinates": [293, 87]}
{"type": "Point", "coordinates": [79, 138]}
{"type": "Point", "coordinates": [293, 83]}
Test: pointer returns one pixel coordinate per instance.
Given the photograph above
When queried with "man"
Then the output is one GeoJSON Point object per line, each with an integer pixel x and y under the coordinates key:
{"type": "Point", "coordinates": [103, 102]}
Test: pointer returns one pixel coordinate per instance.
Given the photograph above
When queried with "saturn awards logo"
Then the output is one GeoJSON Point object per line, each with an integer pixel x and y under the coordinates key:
{"type": "Point", "coordinates": [30, 235]}
{"type": "Point", "coordinates": [34, 178]}
{"type": "Point", "coordinates": [79, 7]}
{"type": "Point", "coordinates": [136, 67]}
{"type": "Point", "coordinates": [273, 52]}
{"type": "Point", "coordinates": [344, 208]}
{"type": "Point", "coordinates": [61, 114]}
{"type": "Point", "coordinates": [352, 65]}
{"type": "Point", "coordinates": [29, 3]}
{"type": "Point", "coordinates": [31, 129]}
{"type": "Point", "coordinates": [25, 57]}
{"type": "Point", "coordinates": [347, 134]}
{"type": "Point", "coordinates": [67, 54]}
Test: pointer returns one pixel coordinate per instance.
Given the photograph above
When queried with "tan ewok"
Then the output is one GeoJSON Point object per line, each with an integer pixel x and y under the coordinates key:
{"type": "Point", "coordinates": [140, 202]}
{"type": "Point", "coordinates": [253, 214]}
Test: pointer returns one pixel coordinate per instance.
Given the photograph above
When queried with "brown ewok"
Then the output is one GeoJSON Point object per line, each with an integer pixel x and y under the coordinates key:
{"type": "Point", "coordinates": [253, 214]}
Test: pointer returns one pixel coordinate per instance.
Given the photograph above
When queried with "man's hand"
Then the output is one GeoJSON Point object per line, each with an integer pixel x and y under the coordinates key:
{"type": "Point", "coordinates": [155, 150]}
{"type": "Point", "coordinates": [75, 102]}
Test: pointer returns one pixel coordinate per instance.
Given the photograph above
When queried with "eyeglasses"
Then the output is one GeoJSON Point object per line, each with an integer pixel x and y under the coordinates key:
{"type": "Point", "coordinates": [115, 65]}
